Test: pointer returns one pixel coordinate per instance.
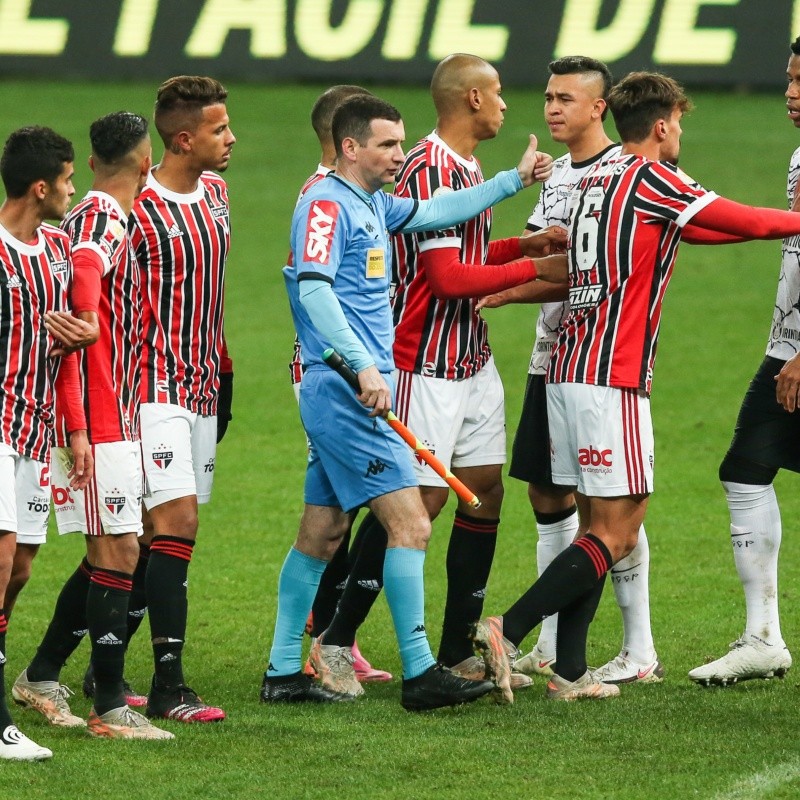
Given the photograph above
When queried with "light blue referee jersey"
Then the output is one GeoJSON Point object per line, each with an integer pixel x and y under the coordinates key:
{"type": "Point", "coordinates": [340, 234]}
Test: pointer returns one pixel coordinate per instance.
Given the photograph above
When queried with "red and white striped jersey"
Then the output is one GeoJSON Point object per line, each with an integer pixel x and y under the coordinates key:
{"type": "Point", "coordinates": [109, 368]}
{"type": "Point", "coordinates": [296, 364]}
{"type": "Point", "coordinates": [34, 279]}
{"type": "Point", "coordinates": [625, 227]}
{"type": "Point", "coordinates": [439, 338]}
{"type": "Point", "coordinates": [181, 242]}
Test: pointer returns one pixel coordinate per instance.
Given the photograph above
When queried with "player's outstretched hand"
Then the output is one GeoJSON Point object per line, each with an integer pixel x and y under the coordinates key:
{"type": "Point", "coordinates": [375, 392]}
{"type": "Point", "coordinates": [70, 332]}
{"type": "Point", "coordinates": [546, 242]}
{"type": "Point", "coordinates": [496, 300]}
{"type": "Point", "coordinates": [787, 383]}
{"type": "Point", "coordinates": [528, 163]}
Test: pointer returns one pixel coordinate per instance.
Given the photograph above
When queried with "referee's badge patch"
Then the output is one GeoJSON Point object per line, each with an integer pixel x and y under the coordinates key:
{"type": "Point", "coordinates": [376, 263]}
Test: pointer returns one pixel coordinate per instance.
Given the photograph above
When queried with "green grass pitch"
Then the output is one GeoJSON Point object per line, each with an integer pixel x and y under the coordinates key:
{"type": "Point", "coordinates": [667, 741]}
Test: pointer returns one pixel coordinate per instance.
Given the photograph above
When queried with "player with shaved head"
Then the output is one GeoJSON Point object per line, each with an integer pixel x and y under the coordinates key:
{"type": "Point", "coordinates": [448, 389]}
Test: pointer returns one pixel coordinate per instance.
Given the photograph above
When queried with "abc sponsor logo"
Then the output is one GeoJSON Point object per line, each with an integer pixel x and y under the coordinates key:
{"type": "Point", "coordinates": [595, 460]}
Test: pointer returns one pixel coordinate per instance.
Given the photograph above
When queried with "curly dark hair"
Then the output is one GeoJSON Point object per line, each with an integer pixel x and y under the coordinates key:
{"type": "Point", "coordinates": [33, 154]}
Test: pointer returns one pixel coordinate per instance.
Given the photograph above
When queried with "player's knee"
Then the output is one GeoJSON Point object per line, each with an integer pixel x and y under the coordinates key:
{"type": "Point", "coordinates": [735, 469]}
{"type": "Point", "coordinates": [117, 552]}
{"type": "Point", "coordinates": [179, 520]}
{"type": "Point", "coordinates": [434, 498]}
{"type": "Point", "coordinates": [492, 498]}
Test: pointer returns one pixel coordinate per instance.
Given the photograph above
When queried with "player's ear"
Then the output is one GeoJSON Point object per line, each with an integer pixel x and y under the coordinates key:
{"type": "Point", "coordinates": [599, 108]}
{"type": "Point", "coordinates": [660, 129]}
{"type": "Point", "coordinates": [91, 163]}
{"type": "Point", "coordinates": [474, 98]}
{"type": "Point", "coordinates": [39, 189]}
{"type": "Point", "coordinates": [182, 142]}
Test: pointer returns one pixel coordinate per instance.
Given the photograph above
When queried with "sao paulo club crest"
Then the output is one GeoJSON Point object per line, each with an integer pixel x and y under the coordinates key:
{"type": "Point", "coordinates": [162, 458]}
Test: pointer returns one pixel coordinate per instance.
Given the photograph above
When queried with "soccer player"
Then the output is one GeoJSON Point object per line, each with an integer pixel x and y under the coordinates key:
{"type": "Point", "coordinates": [180, 232]}
{"type": "Point", "coordinates": [766, 439]}
{"type": "Point", "coordinates": [104, 291]}
{"type": "Point", "coordinates": [36, 168]}
{"type": "Point", "coordinates": [361, 565]}
{"type": "Point", "coordinates": [449, 391]}
{"type": "Point", "coordinates": [575, 107]}
{"type": "Point", "coordinates": [627, 219]}
{"type": "Point", "coordinates": [338, 286]}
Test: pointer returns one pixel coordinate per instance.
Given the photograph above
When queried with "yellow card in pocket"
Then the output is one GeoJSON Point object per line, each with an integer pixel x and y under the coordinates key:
{"type": "Point", "coordinates": [376, 263]}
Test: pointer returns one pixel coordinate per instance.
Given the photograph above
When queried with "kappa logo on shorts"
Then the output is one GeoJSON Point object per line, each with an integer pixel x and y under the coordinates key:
{"type": "Point", "coordinates": [115, 504]}
{"type": "Point", "coordinates": [162, 458]}
{"type": "Point", "coordinates": [376, 467]}
{"type": "Point", "coordinates": [320, 227]}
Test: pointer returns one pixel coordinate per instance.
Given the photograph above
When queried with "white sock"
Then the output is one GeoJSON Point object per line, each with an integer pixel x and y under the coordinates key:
{"type": "Point", "coordinates": [756, 540]}
{"type": "Point", "coordinates": [553, 539]}
{"type": "Point", "coordinates": [631, 579]}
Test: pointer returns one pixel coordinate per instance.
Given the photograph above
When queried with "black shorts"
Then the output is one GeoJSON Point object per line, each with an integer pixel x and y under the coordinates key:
{"type": "Point", "coordinates": [530, 454]}
{"type": "Point", "coordinates": [766, 433]}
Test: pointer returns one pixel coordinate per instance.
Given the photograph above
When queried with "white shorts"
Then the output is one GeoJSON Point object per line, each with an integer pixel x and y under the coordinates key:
{"type": "Point", "coordinates": [601, 439]}
{"type": "Point", "coordinates": [24, 496]}
{"type": "Point", "coordinates": [178, 453]}
{"type": "Point", "coordinates": [112, 502]}
{"type": "Point", "coordinates": [461, 422]}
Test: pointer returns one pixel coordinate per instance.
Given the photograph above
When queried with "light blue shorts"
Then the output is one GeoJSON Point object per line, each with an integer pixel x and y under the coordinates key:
{"type": "Point", "coordinates": [352, 457]}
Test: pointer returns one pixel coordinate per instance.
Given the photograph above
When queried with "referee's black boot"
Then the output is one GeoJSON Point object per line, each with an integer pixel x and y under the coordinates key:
{"type": "Point", "coordinates": [298, 688]}
{"type": "Point", "coordinates": [438, 687]}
